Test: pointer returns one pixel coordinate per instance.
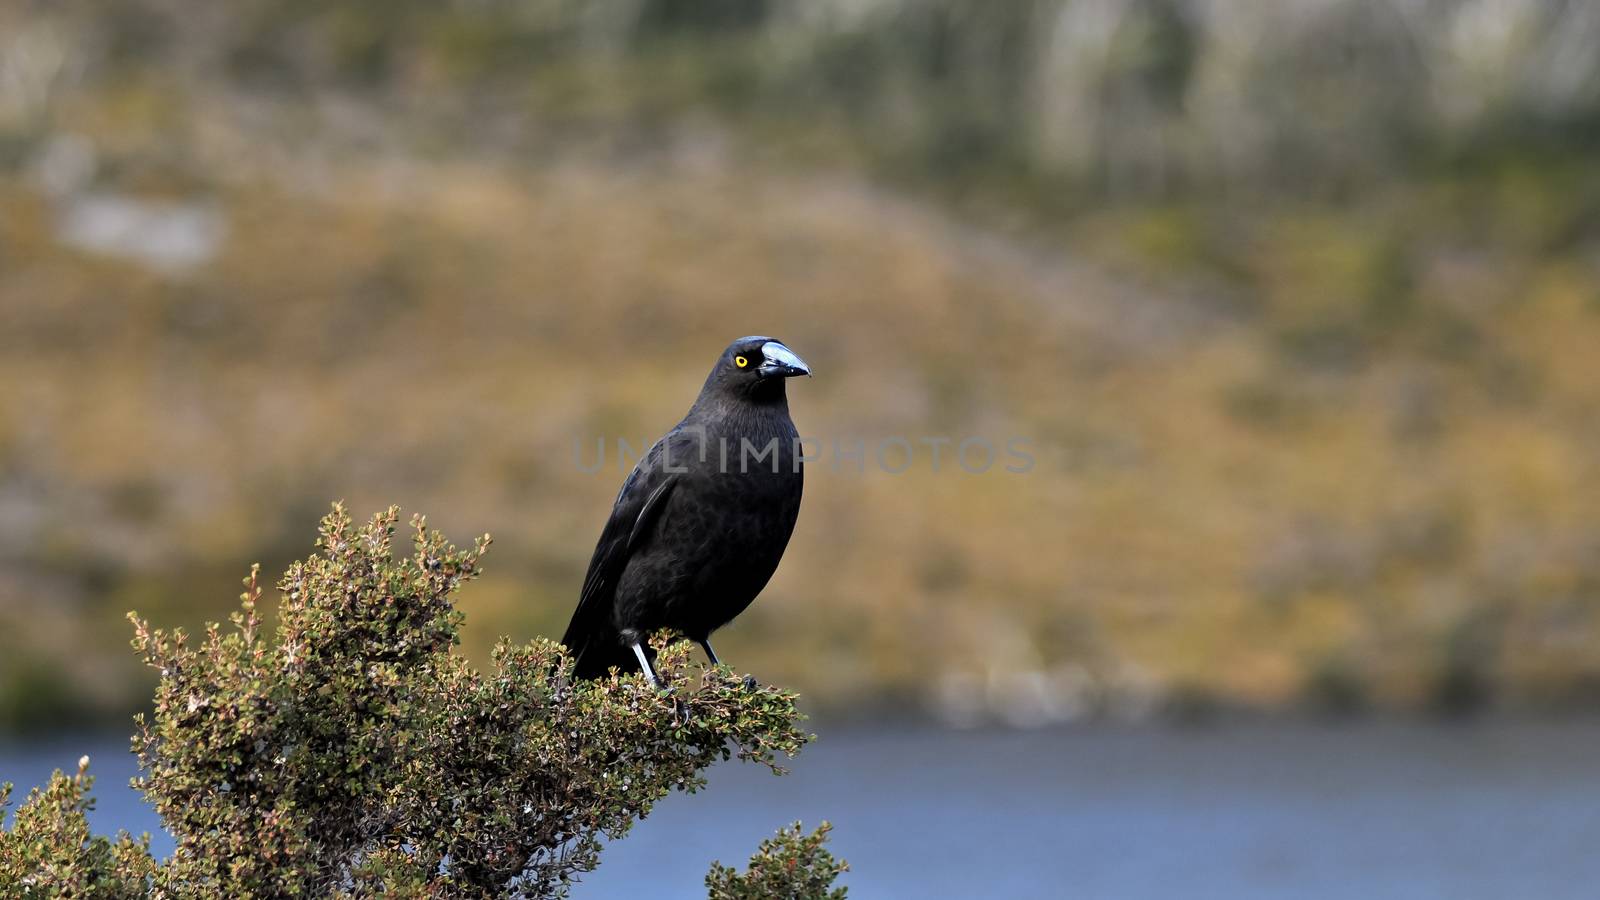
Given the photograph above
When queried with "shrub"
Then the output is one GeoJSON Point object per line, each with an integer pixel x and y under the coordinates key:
{"type": "Point", "coordinates": [353, 753]}
{"type": "Point", "coordinates": [792, 864]}
{"type": "Point", "coordinates": [48, 851]}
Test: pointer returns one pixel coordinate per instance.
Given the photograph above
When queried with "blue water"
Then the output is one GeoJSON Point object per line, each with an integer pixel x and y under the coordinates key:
{"type": "Point", "coordinates": [1369, 810]}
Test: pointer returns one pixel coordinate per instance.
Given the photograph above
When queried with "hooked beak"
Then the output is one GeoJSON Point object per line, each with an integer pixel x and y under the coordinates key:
{"type": "Point", "coordinates": [781, 361]}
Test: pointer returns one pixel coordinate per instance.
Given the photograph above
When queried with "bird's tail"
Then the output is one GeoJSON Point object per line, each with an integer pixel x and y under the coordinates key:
{"type": "Point", "coordinates": [597, 655]}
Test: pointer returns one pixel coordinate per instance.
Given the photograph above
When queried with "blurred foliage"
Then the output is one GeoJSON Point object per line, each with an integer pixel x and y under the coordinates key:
{"type": "Point", "coordinates": [1295, 307]}
{"type": "Point", "coordinates": [791, 864]}
{"type": "Point", "coordinates": [48, 852]}
{"type": "Point", "coordinates": [354, 754]}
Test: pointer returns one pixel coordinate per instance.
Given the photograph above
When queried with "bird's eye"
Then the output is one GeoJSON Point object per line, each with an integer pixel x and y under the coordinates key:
{"type": "Point", "coordinates": [740, 361]}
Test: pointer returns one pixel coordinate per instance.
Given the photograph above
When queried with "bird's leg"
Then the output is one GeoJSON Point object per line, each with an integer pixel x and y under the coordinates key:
{"type": "Point", "coordinates": [644, 663]}
{"type": "Point", "coordinates": [710, 653]}
{"type": "Point", "coordinates": [749, 680]}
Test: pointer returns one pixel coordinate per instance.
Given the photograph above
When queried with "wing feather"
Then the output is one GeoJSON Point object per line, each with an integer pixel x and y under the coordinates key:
{"type": "Point", "coordinates": [590, 636]}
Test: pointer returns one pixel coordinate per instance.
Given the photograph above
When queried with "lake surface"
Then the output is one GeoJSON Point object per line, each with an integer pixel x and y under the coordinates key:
{"type": "Point", "coordinates": [1366, 810]}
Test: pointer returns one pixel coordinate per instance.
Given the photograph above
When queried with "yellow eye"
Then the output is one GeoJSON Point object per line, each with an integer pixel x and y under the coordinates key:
{"type": "Point", "coordinates": [740, 361]}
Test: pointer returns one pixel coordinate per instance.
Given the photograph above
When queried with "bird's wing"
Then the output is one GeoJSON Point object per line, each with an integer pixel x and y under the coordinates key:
{"type": "Point", "coordinates": [634, 514]}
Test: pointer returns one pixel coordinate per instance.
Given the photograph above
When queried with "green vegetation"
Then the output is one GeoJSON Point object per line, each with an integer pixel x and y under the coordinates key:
{"type": "Point", "coordinates": [792, 864]}
{"type": "Point", "coordinates": [1297, 308]}
{"type": "Point", "coordinates": [353, 753]}
{"type": "Point", "coordinates": [48, 852]}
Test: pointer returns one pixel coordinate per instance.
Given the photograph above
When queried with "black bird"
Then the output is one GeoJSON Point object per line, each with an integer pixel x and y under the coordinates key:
{"type": "Point", "coordinates": [702, 520]}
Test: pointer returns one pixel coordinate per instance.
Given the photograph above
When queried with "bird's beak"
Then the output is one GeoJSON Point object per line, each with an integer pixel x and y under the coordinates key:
{"type": "Point", "coordinates": [781, 361]}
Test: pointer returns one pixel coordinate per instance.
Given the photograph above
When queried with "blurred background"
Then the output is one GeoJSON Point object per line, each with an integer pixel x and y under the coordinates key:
{"type": "Point", "coordinates": [1296, 305]}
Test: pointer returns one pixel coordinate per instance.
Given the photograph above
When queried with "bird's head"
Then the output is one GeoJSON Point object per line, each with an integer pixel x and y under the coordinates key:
{"type": "Point", "coordinates": [756, 367]}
